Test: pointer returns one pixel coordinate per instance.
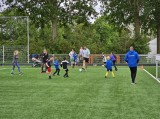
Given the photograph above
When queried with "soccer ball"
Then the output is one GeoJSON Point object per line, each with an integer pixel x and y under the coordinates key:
{"type": "Point", "coordinates": [80, 70]}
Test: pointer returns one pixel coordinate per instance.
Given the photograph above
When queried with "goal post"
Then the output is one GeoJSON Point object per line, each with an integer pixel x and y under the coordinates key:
{"type": "Point", "coordinates": [157, 61]}
{"type": "Point", "coordinates": [27, 20]}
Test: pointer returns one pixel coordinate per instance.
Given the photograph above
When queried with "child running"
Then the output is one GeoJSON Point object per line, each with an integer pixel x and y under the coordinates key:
{"type": "Point", "coordinates": [104, 58]}
{"type": "Point", "coordinates": [75, 59]}
{"type": "Point", "coordinates": [15, 63]}
{"type": "Point", "coordinates": [48, 65]}
{"type": "Point", "coordinates": [64, 64]}
{"type": "Point", "coordinates": [109, 65]}
{"type": "Point", "coordinates": [56, 66]}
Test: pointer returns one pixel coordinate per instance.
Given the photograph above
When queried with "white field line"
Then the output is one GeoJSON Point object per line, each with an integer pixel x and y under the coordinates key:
{"type": "Point", "coordinates": [152, 76]}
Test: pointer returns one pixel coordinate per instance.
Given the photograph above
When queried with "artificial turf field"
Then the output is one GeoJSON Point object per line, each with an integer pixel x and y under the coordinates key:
{"type": "Point", "coordinates": [84, 95]}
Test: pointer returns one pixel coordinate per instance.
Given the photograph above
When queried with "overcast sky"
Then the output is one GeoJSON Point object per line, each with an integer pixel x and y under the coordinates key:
{"type": "Point", "coordinates": [3, 7]}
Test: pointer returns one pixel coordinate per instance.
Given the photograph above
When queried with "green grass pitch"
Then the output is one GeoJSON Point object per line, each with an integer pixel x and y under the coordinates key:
{"type": "Point", "coordinates": [84, 95]}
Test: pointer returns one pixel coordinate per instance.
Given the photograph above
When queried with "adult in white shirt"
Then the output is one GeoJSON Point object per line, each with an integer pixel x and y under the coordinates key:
{"type": "Point", "coordinates": [85, 55]}
{"type": "Point", "coordinates": [71, 54]}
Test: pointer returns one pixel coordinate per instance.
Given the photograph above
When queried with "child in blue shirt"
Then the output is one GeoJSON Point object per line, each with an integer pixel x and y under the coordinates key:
{"type": "Point", "coordinates": [75, 58]}
{"type": "Point", "coordinates": [109, 65]}
{"type": "Point", "coordinates": [56, 66]}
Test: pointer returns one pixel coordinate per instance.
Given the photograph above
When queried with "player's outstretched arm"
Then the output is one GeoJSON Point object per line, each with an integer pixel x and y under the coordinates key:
{"type": "Point", "coordinates": [112, 63]}
{"type": "Point", "coordinates": [47, 65]}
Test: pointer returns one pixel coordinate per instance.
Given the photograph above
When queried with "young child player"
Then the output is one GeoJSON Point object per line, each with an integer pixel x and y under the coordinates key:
{"type": "Point", "coordinates": [75, 58]}
{"type": "Point", "coordinates": [56, 66]}
{"type": "Point", "coordinates": [64, 64]}
{"type": "Point", "coordinates": [15, 62]}
{"type": "Point", "coordinates": [72, 62]}
{"type": "Point", "coordinates": [104, 59]}
{"type": "Point", "coordinates": [48, 65]}
{"type": "Point", "coordinates": [109, 65]}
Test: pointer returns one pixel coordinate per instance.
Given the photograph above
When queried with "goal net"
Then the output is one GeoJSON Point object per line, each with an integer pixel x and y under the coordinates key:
{"type": "Point", "coordinates": [14, 35]}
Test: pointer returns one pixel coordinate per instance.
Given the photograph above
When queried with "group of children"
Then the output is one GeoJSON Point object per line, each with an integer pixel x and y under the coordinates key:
{"type": "Point", "coordinates": [107, 63]}
{"type": "Point", "coordinates": [63, 64]}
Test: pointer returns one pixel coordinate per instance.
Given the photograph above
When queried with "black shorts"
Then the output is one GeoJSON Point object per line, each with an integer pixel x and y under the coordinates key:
{"type": "Point", "coordinates": [109, 69]}
{"type": "Point", "coordinates": [86, 59]}
{"type": "Point", "coordinates": [104, 62]}
{"type": "Point", "coordinates": [66, 69]}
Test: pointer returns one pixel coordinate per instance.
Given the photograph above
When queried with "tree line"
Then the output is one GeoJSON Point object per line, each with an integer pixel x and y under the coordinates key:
{"type": "Point", "coordinates": [64, 25]}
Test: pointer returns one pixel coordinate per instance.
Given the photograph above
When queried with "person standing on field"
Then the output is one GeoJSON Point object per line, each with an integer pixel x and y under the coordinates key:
{"type": "Point", "coordinates": [71, 55]}
{"type": "Point", "coordinates": [113, 58]}
{"type": "Point", "coordinates": [15, 62]}
{"type": "Point", "coordinates": [45, 57]}
{"type": "Point", "coordinates": [81, 53]}
{"type": "Point", "coordinates": [132, 58]}
{"type": "Point", "coordinates": [85, 56]}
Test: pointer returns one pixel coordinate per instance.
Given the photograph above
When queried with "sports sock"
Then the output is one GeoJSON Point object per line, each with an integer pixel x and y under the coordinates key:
{"type": "Point", "coordinates": [112, 73]}
{"type": "Point", "coordinates": [49, 77]}
{"type": "Point", "coordinates": [107, 73]}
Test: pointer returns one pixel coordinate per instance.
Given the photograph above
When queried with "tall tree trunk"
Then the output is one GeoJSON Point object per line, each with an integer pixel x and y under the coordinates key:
{"type": "Point", "coordinates": [137, 23]}
{"type": "Point", "coordinates": [137, 27]}
{"type": "Point", "coordinates": [158, 39]}
{"type": "Point", "coordinates": [54, 30]}
{"type": "Point", "coordinates": [157, 17]}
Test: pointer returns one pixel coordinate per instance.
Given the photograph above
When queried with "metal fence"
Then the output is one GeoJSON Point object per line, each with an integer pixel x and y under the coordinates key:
{"type": "Point", "coordinates": [6, 57]}
{"type": "Point", "coordinates": [7, 52]}
{"type": "Point", "coordinates": [97, 58]}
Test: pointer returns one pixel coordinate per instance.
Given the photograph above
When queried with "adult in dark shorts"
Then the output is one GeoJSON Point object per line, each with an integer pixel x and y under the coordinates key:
{"type": "Point", "coordinates": [45, 58]}
{"type": "Point", "coordinates": [85, 55]}
{"type": "Point", "coordinates": [132, 58]}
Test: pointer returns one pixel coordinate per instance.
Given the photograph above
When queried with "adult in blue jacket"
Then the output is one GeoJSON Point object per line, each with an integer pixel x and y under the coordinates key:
{"type": "Point", "coordinates": [132, 58]}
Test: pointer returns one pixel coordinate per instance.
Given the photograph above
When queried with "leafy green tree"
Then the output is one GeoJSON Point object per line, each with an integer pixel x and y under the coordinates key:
{"type": "Point", "coordinates": [124, 12]}
{"type": "Point", "coordinates": [142, 45]}
{"type": "Point", "coordinates": [43, 12]}
{"type": "Point", "coordinates": [152, 24]}
{"type": "Point", "coordinates": [14, 31]}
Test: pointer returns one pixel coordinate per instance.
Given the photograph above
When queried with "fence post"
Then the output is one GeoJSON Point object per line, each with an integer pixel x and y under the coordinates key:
{"type": "Point", "coordinates": [156, 69]}
{"type": "Point", "coordinates": [3, 53]}
{"type": "Point", "coordinates": [53, 57]}
{"type": "Point", "coordinates": [78, 58]}
{"type": "Point", "coordinates": [28, 36]}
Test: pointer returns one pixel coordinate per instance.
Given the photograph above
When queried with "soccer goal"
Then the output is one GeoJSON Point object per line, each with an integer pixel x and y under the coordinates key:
{"type": "Point", "coordinates": [14, 31]}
